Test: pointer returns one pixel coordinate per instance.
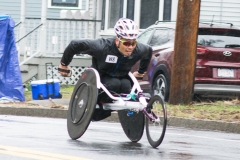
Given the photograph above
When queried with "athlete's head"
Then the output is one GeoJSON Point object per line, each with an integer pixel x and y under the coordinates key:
{"type": "Point", "coordinates": [127, 31]}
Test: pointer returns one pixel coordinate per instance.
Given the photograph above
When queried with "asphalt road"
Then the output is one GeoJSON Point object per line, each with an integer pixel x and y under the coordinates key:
{"type": "Point", "coordinates": [27, 138]}
{"type": "Point", "coordinates": [57, 108]}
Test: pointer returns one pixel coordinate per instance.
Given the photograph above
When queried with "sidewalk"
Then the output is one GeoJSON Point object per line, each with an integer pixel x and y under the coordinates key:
{"type": "Point", "coordinates": [57, 108]}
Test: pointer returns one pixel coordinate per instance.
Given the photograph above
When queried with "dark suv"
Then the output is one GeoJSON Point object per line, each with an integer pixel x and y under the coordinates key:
{"type": "Point", "coordinates": [218, 59]}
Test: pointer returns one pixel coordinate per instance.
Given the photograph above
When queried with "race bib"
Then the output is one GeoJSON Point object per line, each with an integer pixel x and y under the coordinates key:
{"type": "Point", "coordinates": [111, 59]}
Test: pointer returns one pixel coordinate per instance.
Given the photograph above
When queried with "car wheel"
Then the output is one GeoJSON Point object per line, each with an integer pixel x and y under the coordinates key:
{"type": "Point", "coordinates": [160, 87]}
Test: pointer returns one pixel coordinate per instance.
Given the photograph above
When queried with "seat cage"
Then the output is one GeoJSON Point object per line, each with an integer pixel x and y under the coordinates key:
{"type": "Point", "coordinates": [120, 103]}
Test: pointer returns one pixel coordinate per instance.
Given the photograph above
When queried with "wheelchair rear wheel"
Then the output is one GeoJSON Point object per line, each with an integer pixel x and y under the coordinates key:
{"type": "Point", "coordinates": [155, 130]}
{"type": "Point", "coordinates": [82, 105]}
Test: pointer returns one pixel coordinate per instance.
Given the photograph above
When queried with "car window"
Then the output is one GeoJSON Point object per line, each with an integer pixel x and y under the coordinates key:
{"type": "Point", "coordinates": [160, 37]}
{"type": "Point", "coordinates": [171, 34]}
{"type": "Point", "coordinates": [145, 36]}
{"type": "Point", "coordinates": [218, 41]}
{"type": "Point", "coordinates": [220, 32]}
{"type": "Point", "coordinates": [221, 38]}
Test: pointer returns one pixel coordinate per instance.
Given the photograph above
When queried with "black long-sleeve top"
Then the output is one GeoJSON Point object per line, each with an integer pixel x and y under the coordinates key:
{"type": "Point", "coordinates": [107, 59]}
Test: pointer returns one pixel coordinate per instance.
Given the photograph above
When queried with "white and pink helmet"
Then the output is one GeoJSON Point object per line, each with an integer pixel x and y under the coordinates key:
{"type": "Point", "coordinates": [126, 28]}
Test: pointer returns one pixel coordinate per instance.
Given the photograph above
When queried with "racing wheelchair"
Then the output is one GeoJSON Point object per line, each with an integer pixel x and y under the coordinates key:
{"type": "Point", "coordinates": [135, 111]}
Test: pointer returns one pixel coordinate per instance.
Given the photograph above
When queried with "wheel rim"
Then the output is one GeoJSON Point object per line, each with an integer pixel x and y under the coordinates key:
{"type": "Point", "coordinates": [79, 106]}
{"type": "Point", "coordinates": [156, 130]}
{"type": "Point", "coordinates": [159, 87]}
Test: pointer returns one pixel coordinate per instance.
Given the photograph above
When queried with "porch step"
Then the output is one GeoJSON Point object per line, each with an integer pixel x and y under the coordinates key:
{"type": "Point", "coordinates": [28, 71]}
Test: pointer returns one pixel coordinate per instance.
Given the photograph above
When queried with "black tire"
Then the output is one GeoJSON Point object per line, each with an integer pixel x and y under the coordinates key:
{"type": "Point", "coordinates": [156, 130]}
{"type": "Point", "coordinates": [60, 95]}
{"type": "Point", "coordinates": [161, 87]}
{"type": "Point", "coordinates": [40, 97]}
{"type": "Point", "coordinates": [133, 126]}
{"type": "Point", "coordinates": [82, 105]}
{"type": "Point", "coordinates": [79, 103]}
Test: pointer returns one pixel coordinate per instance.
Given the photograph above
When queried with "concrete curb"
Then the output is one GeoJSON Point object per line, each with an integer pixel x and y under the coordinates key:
{"type": "Point", "coordinates": [172, 121]}
{"type": "Point", "coordinates": [34, 112]}
{"type": "Point", "coordinates": [204, 124]}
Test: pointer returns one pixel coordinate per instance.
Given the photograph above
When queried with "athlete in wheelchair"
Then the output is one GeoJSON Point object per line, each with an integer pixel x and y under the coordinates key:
{"type": "Point", "coordinates": [108, 85]}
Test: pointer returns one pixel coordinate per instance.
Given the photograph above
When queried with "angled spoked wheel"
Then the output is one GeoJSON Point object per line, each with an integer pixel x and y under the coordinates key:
{"type": "Point", "coordinates": [82, 105]}
{"type": "Point", "coordinates": [156, 130]}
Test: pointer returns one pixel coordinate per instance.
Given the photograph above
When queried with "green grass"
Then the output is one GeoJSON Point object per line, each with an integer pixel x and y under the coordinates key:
{"type": "Point", "coordinates": [228, 111]}
{"type": "Point", "coordinates": [66, 91]}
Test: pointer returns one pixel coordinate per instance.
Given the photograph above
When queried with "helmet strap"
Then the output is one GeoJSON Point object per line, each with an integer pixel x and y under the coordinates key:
{"type": "Point", "coordinates": [118, 37]}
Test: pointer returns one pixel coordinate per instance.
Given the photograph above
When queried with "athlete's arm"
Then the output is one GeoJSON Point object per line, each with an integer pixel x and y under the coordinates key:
{"type": "Point", "coordinates": [145, 61]}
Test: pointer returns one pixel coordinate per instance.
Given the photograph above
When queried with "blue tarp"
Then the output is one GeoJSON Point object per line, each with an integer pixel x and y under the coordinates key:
{"type": "Point", "coordinates": [11, 86]}
{"type": "Point", "coordinates": [4, 16]}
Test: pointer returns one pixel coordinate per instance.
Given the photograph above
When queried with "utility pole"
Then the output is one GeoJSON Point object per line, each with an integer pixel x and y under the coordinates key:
{"type": "Point", "coordinates": [184, 58]}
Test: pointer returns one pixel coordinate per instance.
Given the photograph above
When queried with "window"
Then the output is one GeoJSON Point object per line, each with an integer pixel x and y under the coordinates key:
{"type": "Point", "coordinates": [160, 37]}
{"type": "Point", "coordinates": [65, 4]}
{"type": "Point", "coordinates": [171, 34]}
{"type": "Point", "coordinates": [115, 11]}
{"type": "Point", "coordinates": [220, 32]}
{"type": "Point", "coordinates": [143, 12]}
{"type": "Point", "coordinates": [218, 41]}
{"type": "Point", "coordinates": [130, 9]}
{"type": "Point", "coordinates": [167, 10]}
{"type": "Point", "coordinates": [144, 37]}
{"type": "Point", "coordinates": [219, 37]}
{"type": "Point", "coordinates": [149, 13]}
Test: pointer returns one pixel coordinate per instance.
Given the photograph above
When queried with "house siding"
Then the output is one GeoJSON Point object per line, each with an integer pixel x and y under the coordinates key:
{"type": "Point", "coordinates": [217, 10]}
{"type": "Point", "coordinates": [12, 8]}
{"type": "Point", "coordinates": [33, 9]}
{"type": "Point", "coordinates": [220, 10]}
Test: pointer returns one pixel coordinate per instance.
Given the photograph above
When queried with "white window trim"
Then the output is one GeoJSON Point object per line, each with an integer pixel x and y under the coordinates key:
{"type": "Point", "coordinates": [110, 32]}
{"type": "Point", "coordinates": [61, 7]}
{"type": "Point", "coordinates": [137, 12]}
{"type": "Point", "coordinates": [107, 13]}
{"type": "Point", "coordinates": [124, 8]}
{"type": "Point", "coordinates": [161, 9]}
{"type": "Point", "coordinates": [174, 10]}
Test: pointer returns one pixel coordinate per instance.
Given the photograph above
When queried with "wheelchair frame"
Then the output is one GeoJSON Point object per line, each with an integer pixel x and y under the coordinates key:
{"type": "Point", "coordinates": [119, 104]}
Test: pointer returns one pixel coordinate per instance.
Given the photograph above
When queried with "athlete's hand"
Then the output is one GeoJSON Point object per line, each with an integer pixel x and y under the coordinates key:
{"type": "Point", "coordinates": [138, 75]}
{"type": "Point", "coordinates": [63, 73]}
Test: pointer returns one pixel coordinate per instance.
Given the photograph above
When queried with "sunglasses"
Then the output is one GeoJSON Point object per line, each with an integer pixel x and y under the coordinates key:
{"type": "Point", "coordinates": [128, 43]}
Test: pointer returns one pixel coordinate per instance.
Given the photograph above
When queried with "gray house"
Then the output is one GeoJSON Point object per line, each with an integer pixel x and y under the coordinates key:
{"type": "Point", "coordinates": [45, 27]}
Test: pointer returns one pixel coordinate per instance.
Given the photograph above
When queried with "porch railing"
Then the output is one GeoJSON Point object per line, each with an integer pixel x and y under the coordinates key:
{"type": "Point", "coordinates": [58, 34]}
{"type": "Point", "coordinates": [29, 32]}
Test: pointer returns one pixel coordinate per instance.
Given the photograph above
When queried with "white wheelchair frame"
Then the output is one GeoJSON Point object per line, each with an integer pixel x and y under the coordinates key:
{"type": "Point", "coordinates": [120, 103]}
{"type": "Point", "coordinates": [78, 120]}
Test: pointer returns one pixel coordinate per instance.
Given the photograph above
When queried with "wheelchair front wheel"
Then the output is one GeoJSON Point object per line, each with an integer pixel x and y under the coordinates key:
{"type": "Point", "coordinates": [156, 129]}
